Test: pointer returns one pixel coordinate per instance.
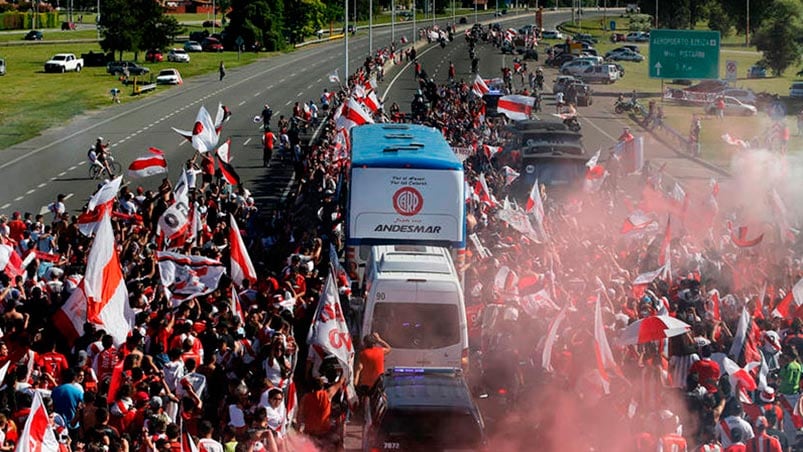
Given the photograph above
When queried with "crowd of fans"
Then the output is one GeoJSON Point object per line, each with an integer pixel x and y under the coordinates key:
{"type": "Point", "coordinates": [236, 383]}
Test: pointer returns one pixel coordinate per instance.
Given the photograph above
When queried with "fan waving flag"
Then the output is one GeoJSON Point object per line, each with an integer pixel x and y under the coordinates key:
{"type": "Point", "coordinates": [10, 261]}
{"type": "Point", "coordinates": [188, 276]}
{"type": "Point", "coordinates": [204, 135]}
{"type": "Point", "coordinates": [241, 266]}
{"type": "Point", "coordinates": [479, 87]}
{"type": "Point", "coordinates": [602, 350]}
{"type": "Point", "coordinates": [515, 106]}
{"type": "Point", "coordinates": [38, 434]}
{"type": "Point", "coordinates": [224, 163]}
{"type": "Point", "coordinates": [147, 166]}
{"type": "Point", "coordinates": [102, 296]}
{"type": "Point", "coordinates": [534, 203]}
{"type": "Point", "coordinates": [105, 193]}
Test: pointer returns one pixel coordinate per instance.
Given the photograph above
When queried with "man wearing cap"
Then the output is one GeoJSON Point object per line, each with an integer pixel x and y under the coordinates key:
{"type": "Point", "coordinates": [766, 404]}
{"type": "Point", "coordinates": [763, 442]}
{"type": "Point", "coordinates": [706, 369]}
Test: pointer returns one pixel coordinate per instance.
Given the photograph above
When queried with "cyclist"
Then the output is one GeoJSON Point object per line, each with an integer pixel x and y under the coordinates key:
{"type": "Point", "coordinates": [98, 155]}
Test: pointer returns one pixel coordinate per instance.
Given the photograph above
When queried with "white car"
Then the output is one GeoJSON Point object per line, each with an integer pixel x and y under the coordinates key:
{"type": "Point", "coordinates": [551, 34]}
{"type": "Point", "coordinates": [601, 73]}
{"type": "Point", "coordinates": [178, 56]}
{"type": "Point", "coordinates": [624, 55]}
{"type": "Point", "coordinates": [637, 36]}
{"type": "Point", "coordinates": [169, 77]}
{"type": "Point", "coordinates": [745, 96]}
{"type": "Point", "coordinates": [193, 46]}
{"type": "Point", "coordinates": [732, 107]}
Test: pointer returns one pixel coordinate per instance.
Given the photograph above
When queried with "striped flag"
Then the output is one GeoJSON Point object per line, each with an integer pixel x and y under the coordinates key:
{"type": "Point", "coordinates": [551, 338]}
{"type": "Point", "coordinates": [148, 166]}
{"type": "Point", "coordinates": [602, 350]}
{"type": "Point", "coordinates": [224, 164]}
{"type": "Point", "coordinates": [479, 87]}
{"type": "Point", "coordinates": [241, 266]}
{"type": "Point", "coordinates": [516, 106]}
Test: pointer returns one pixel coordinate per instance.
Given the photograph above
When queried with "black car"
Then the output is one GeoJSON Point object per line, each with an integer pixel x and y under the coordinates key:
{"type": "Point", "coordinates": [560, 59]}
{"type": "Point", "coordinates": [582, 94]}
{"type": "Point", "coordinates": [119, 68]}
{"type": "Point", "coordinates": [33, 35]}
{"type": "Point", "coordinates": [423, 409]}
{"type": "Point", "coordinates": [463, 20]}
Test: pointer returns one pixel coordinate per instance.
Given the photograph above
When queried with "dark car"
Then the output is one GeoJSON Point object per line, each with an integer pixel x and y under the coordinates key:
{"type": "Point", "coordinates": [154, 56]}
{"type": "Point", "coordinates": [585, 37]}
{"type": "Point", "coordinates": [119, 68]}
{"type": "Point", "coordinates": [209, 24]}
{"type": "Point", "coordinates": [33, 35]}
{"type": "Point", "coordinates": [417, 409]}
{"type": "Point", "coordinates": [463, 20]}
{"type": "Point", "coordinates": [618, 37]}
{"type": "Point", "coordinates": [560, 59]}
{"type": "Point", "coordinates": [211, 44]}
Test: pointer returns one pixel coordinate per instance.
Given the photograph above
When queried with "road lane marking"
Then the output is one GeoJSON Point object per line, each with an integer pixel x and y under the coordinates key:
{"type": "Point", "coordinates": [246, 142]}
{"type": "Point", "coordinates": [62, 173]}
{"type": "Point", "coordinates": [72, 168]}
{"type": "Point", "coordinates": [18, 198]}
{"type": "Point", "coordinates": [29, 192]}
{"type": "Point", "coordinates": [5, 206]}
{"type": "Point", "coordinates": [241, 104]}
{"type": "Point", "coordinates": [68, 196]}
{"type": "Point", "coordinates": [288, 102]}
{"type": "Point", "coordinates": [41, 185]}
{"type": "Point", "coordinates": [81, 162]}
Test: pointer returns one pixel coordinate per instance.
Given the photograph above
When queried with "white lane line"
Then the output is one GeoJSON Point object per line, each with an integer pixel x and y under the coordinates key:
{"type": "Point", "coordinates": [62, 173]}
{"type": "Point", "coordinates": [68, 196]}
{"type": "Point", "coordinates": [30, 191]}
{"type": "Point", "coordinates": [289, 102]}
{"type": "Point", "coordinates": [256, 95]}
{"type": "Point", "coordinates": [18, 198]}
{"type": "Point", "coordinates": [246, 142]}
{"type": "Point", "coordinates": [72, 168]}
{"type": "Point", "coordinates": [319, 80]}
{"type": "Point", "coordinates": [183, 142]}
{"type": "Point", "coordinates": [5, 206]}
{"type": "Point", "coordinates": [44, 210]}
{"type": "Point", "coordinates": [270, 87]}
{"type": "Point", "coordinates": [41, 185]}
{"type": "Point", "coordinates": [81, 162]}
{"type": "Point", "coordinates": [241, 104]}
{"type": "Point", "coordinates": [309, 86]}
{"type": "Point", "coordinates": [300, 93]}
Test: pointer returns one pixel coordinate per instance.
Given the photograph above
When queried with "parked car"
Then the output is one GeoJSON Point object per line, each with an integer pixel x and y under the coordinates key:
{"type": "Point", "coordinates": [561, 82]}
{"type": "Point", "coordinates": [209, 24]}
{"type": "Point", "coordinates": [756, 72]}
{"type": "Point", "coordinates": [732, 107]}
{"type": "Point", "coordinates": [178, 56]}
{"type": "Point", "coordinates": [601, 73]}
{"type": "Point", "coordinates": [585, 37]}
{"type": "Point", "coordinates": [637, 36]}
{"type": "Point", "coordinates": [193, 46]}
{"type": "Point", "coordinates": [561, 59]}
{"type": "Point", "coordinates": [119, 67]}
{"type": "Point", "coordinates": [527, 29]}
{"type": "Point", "coordinates": [463, 20]}
{"type": "Point", "coordinates": [618, 37]}
{"type": "Point", "coordinates": [2, 66]}
{"type": "Point", "coordinates": [576, 66]}
{"type": "Point", "coordinates": [154, 56]}
{"type": "Point", "coordinates": [33, 35]}
{"type": "Point", "coordinates": [552, 34]}
{"type": "Point", "coordinates": [624, 55]}
{"type": "Point", "coordinates": [211, 44]}
{"type": "Point", "coordinates": [796, 90]}
{"type": "Point", "coordinates": [745, 96]}
{"type": "Point", "coordinates": [169, 77]}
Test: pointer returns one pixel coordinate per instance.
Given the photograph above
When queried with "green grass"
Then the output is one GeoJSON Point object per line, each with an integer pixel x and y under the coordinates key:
{"type": "Point", "coordinates": [42, 100]}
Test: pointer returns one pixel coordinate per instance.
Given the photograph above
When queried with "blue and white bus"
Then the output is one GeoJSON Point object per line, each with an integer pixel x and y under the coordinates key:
{"type": "Point", "coordinates": [406, 186]}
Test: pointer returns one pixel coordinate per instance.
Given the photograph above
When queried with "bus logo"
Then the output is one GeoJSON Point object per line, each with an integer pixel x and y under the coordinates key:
{"type": "Point", "coordinates": [408, 201]}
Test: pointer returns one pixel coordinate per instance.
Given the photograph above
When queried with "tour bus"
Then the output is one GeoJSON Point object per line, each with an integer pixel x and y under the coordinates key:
{"type": "Point", "coordinates": [414, 300]}
{"type": "Point", "coordinates": [406, 186]}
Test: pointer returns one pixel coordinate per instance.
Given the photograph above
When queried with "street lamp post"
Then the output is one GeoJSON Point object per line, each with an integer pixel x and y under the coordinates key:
{"type": "Point", "coordinates": [345, 40]}
{"type": "Point", "coordinates": [214, 16]}
{"type": "Point", "coordinates": [433, 13]}
{"type": "Point", "coordinates": [747, 26]}
{"type": "Point", "coordinates": [370, 27]}
{"type": "Point", "coordinates": [415, 31]}
{"type": "Point", "coordinates": [656, 13]}
{"type": "Point", "coordinates": [392, 21]}
{"type": "Point", "coordinates": [475, 11]}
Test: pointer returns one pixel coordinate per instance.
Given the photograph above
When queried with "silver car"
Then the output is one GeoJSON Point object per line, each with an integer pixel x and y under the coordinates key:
{"type": "Point", "coordinates": [178, 56]}
{"type": "Point", "coordinates": [733, 106]}
{"type": "Point", "coordinates": [193, 46]}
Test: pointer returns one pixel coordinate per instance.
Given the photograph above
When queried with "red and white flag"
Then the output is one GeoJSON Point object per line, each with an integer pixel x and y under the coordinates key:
{"type": "Point", "coordinates": [204, 135]}
{"type": "Point", "coordinates": [602, 350]}
{"type": "Point", "coordinates": [636, 221]}
{"type": "Point", "coordinates": [224, 163]}
{"type": "Point", "coordinates": [516, 106]}
{"type": "Point", "coordinates": [490, 151]}
{"type": "Point", "coordinates": [551, 338]}
{"type": "Point", "coordinates": [353, 114]}
{"type": "Point", "coordinates": [236, 307]}
{"type": "Point", "coordinates": [105, 193]}
{"type": "Point", "coordinates": [734, 141]}
{"type": "Point", "coordinates": [10, 261]}
{"type": "Point", "coordinates": [403, 39]}
{"type": "Point", "coordinates": [479, 87]}
{"type": "Point", "coordinates": [149, 165]}
{"type": "Point", "coordinates": [329, 334]}
{"type": "Point", "coordinates": [786, 231]}
{"type": "Point", "coordinates": [535, 204]}
{"type": "Point", "coordinates": [188, 276]}
{"type": "Point", "coordinates": [241, 266]}
{"type": "Point", "coordinates": [333, 77]}
{"type": "Point", "coordinates": [371, 101]}
{"type": "Point", "coordinates": [739, 237]}
{"type": "Point", "coordinates": [642, 281]}
{"type": "Point", "coordinates": [102, 296]}
{"type": "Point", "coordinates": [510, 175]}
{"type": "Point", "coordinates": [38, 434]}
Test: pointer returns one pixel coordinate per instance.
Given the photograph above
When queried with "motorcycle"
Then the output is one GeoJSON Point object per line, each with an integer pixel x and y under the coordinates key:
{"type": "Point", "coordinates": [622, 106]}
{"type": "Point", "coordinates": [572, 123]}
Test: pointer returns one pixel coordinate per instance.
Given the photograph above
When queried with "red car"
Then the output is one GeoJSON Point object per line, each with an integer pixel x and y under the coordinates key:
{"type": "Point", "coordinates": [618, 37]}
{"type": "Point", "coordinates": [211, 45]}
{"type": "Point", "coordinates": [154, 56]}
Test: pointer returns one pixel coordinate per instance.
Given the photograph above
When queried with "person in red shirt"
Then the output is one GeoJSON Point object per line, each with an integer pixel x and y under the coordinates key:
{"type": "Point", "coordinates": [268, 141]}
{"type": "Point", "coordinates": [16, 227]}
{"type": "Point", "coordinates": [52, 364]}
{"type": "Point", "coordinates": [763, 442]}
{"type": "Point", "coordinates": [316, 409]}
{"type": "Point", "coordinates": [671, 440]}
{"type": "Point", "coordinates": [706, 369]}
{"type": "Point", "coordinates": [107, 359]}
{"type": "Point", "coordinates": [370, 363]}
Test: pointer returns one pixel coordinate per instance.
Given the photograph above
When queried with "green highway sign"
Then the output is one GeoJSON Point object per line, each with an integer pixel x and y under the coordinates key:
{"type": "Point", "coordinates": [688, 54]}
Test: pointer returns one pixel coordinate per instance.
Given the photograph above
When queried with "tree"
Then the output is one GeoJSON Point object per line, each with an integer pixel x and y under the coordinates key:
{"type": "Point", "coordinates": [258, 22]}
{"type": "Point", "coordinates": [719, 19]}
{"type": "Point", "coordinates": [136, 25]}
{"type": "Point", "coordinates": [304, 17]}
{"type": "Point", "coordinates": [777, 36]}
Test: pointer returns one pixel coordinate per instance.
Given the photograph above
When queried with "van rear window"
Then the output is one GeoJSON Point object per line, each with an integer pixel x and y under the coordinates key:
{"type": "Point", "coordinates": [417, 325]}
{"type": "Point", "coordinates": [441, 428]}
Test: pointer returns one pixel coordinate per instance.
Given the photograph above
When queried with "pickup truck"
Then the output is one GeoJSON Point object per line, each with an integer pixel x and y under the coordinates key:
{"type": "Point", "coordinates": [63, 62]}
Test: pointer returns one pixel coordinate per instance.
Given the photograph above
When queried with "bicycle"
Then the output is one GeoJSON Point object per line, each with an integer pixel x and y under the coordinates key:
{"type": "Point", "coordinates": [97, 170]}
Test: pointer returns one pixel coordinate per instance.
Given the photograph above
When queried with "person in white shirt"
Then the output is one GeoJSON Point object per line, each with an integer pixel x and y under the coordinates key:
{"type": "Point", "coordinates": [205, 441]}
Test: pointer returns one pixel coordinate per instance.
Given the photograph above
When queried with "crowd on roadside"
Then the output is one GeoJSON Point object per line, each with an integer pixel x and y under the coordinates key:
{"type": "Point", "coordinates": [229, 368]}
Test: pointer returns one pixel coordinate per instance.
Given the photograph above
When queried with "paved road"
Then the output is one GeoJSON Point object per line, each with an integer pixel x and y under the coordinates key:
{"type": "Point", "coordinates": [34, 172]}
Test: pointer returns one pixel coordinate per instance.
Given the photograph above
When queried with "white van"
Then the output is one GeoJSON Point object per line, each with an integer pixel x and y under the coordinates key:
{"type": "Point", "coordinates": [414, 300]}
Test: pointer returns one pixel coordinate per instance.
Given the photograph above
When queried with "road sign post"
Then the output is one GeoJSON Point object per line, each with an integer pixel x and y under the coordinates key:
{"type": "Point", "coordinates": [687, 54]}
{"type": "Point", "coordinates": [730, 70]}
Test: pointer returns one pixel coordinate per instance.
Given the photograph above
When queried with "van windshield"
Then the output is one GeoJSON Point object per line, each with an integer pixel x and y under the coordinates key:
{"type": "Point", "coordinates": [417, 325]}
{"type": "Point", "coordinates": [441, 428]}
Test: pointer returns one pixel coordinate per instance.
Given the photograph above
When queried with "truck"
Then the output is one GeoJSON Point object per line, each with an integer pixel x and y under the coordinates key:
{"type": "Point", "coordinates": [63, 62]}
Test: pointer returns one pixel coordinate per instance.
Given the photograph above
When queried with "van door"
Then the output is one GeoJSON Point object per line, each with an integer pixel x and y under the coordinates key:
{"type": "Point", "coordinates": [449, 333]}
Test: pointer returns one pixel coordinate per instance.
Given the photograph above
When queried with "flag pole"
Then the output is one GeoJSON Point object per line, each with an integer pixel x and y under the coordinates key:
{"type": "Point", "coordinates": [346, 37]}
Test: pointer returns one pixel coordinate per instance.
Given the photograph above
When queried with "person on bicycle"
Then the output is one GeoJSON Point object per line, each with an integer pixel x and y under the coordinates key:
{"type": "Point", "coordinates": [101, 154]}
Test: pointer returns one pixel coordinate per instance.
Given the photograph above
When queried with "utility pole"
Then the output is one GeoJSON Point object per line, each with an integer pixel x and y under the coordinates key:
{"type": "Point", "coordinates": [747, 27]}
{"type": "Point", "coordinates": [371, 27]}
{"type": "Point", "coordinates": [392, 21]}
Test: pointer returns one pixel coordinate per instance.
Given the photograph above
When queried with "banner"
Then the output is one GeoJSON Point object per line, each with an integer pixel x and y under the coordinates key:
{"type": "Point", "coordinates": [188, 276]}
{"type": "Point", "coordinates": [519, 221]}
